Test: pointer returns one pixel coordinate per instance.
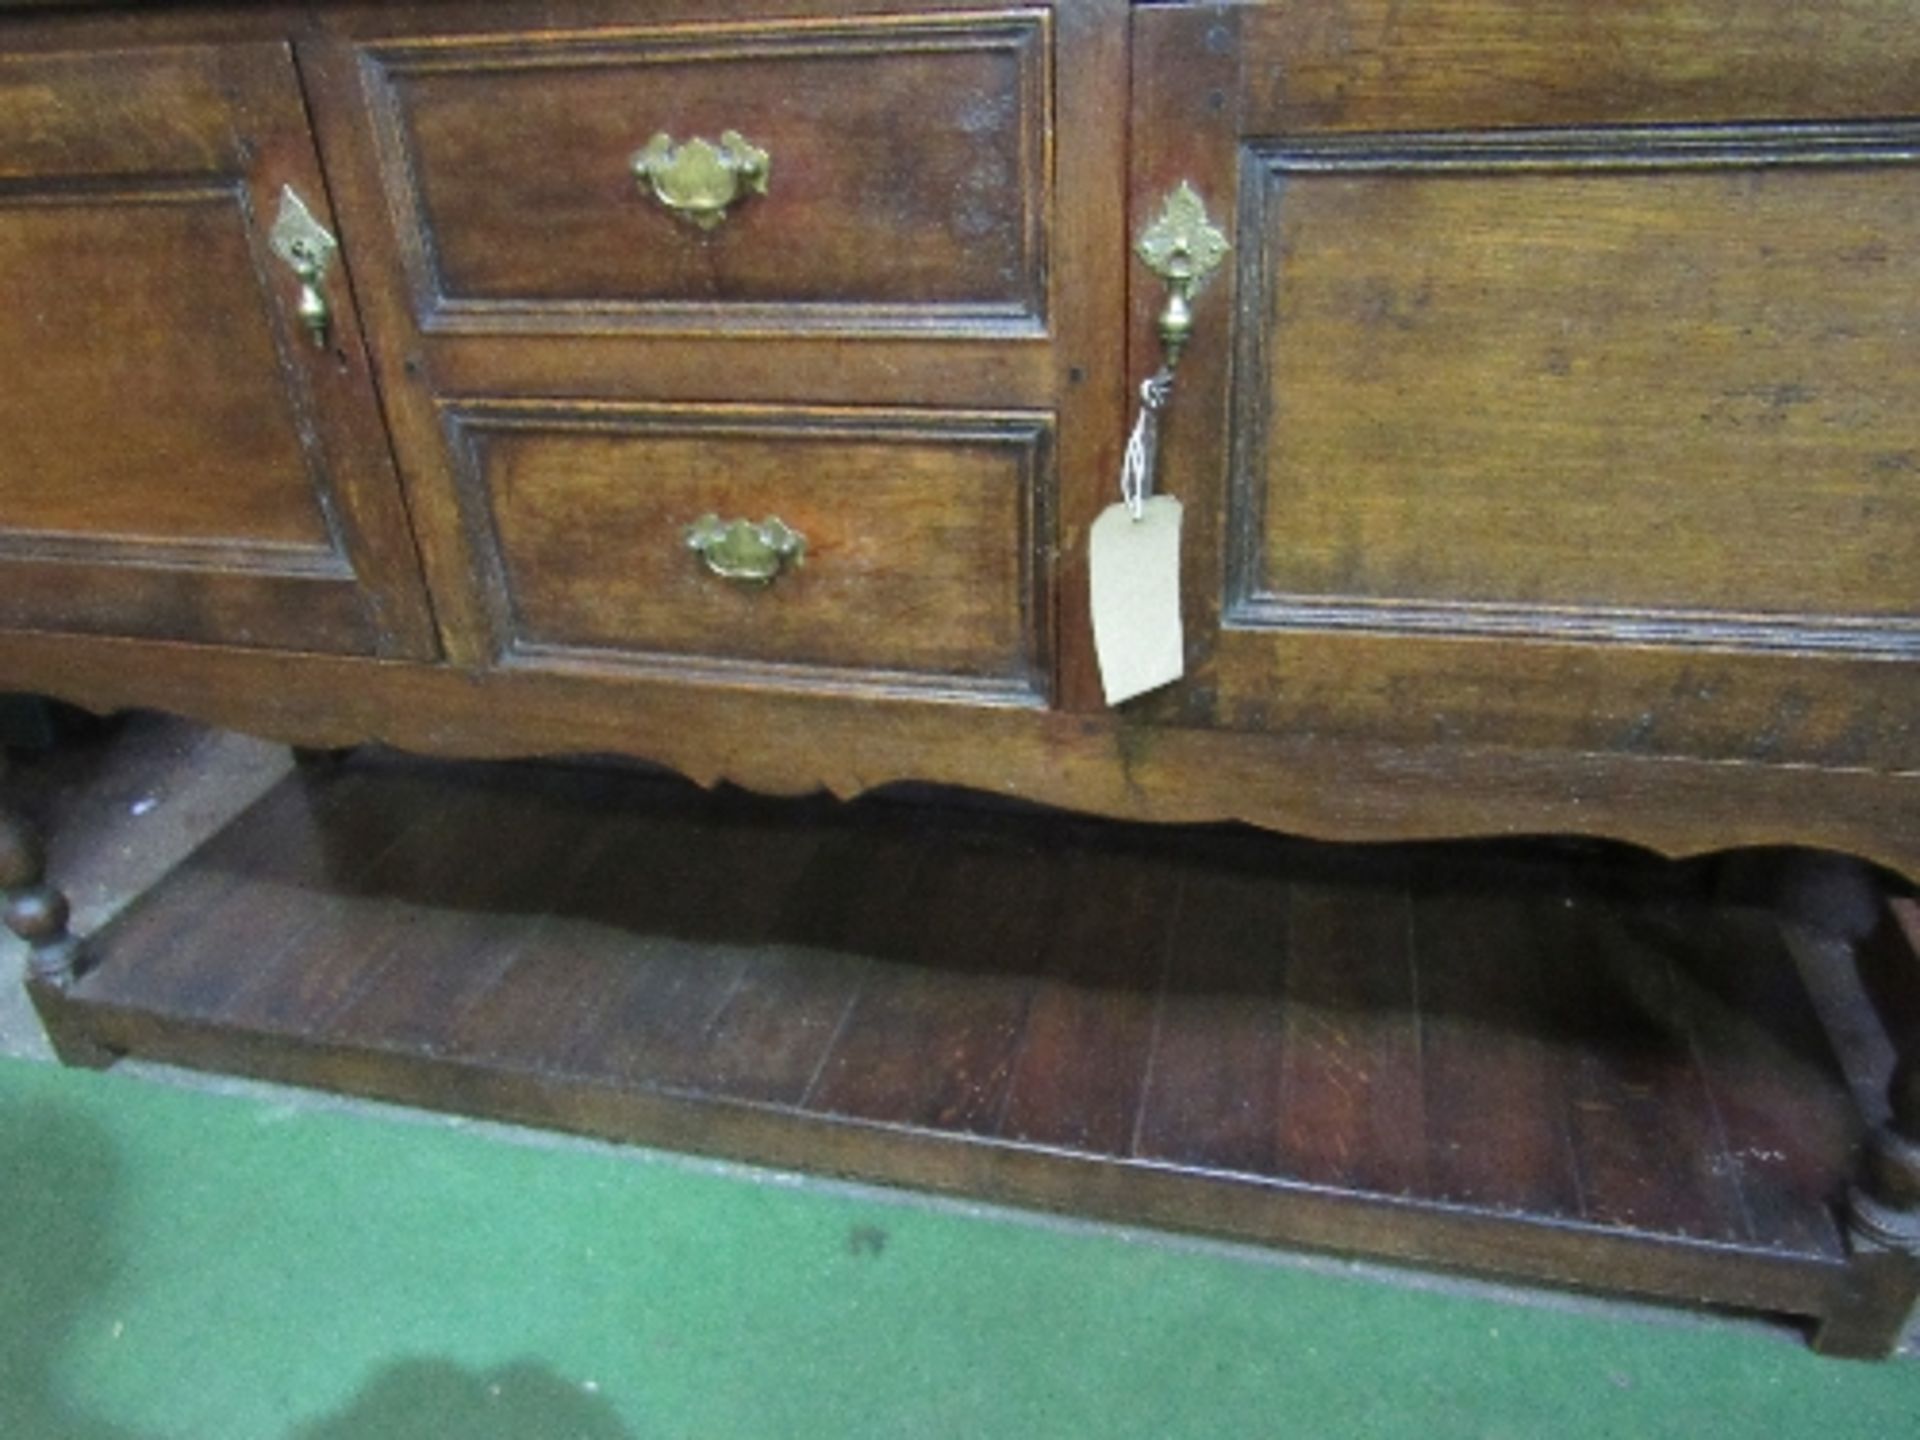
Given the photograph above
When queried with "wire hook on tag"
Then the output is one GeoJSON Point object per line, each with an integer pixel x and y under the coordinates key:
{"type": "Point", "coordinates": [1143, 445]}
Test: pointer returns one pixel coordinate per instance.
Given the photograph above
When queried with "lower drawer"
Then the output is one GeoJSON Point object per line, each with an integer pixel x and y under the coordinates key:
{"type": "Point", "coordinates": [926, 538]}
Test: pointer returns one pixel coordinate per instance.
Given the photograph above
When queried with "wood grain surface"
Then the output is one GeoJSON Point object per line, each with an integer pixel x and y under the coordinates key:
{"type": "Point", "coordinates": [180, 460]}
{"type": "Point", "coordinates": [1519, 1060]}
{"type": "Point", "coordinates": [1544, 447]}
{"type": "Point", "coordinates": [925, 559]}
{"type": "Point", "coordinates": [907, 180]}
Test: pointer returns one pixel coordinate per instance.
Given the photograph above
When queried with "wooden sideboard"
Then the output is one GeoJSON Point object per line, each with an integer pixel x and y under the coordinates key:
{"type": "Point", "coordinates": [1544, 441]}
{"type": "Point", "coordinates": [1547, 441]}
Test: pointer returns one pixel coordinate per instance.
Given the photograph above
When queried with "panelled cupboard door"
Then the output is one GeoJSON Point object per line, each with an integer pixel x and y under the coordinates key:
{"type": "Point", "coordinates": [1562, 386]}
{"type": "Point", "coordinates": [178, 458]}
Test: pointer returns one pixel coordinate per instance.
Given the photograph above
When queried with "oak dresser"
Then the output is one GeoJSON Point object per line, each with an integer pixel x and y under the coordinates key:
{"type": "Point", "coordinates": [736, 386]}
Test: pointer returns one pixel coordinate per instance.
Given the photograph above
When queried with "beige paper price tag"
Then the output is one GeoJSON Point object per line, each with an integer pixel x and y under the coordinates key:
{"type": "Point", "coordinates": [1136, 598]}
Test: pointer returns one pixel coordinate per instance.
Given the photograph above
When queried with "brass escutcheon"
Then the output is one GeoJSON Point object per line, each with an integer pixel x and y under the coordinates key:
{"type": "Point", "coordinates": [307, 248]}
{"type": "Point", "coordinates": [745, 551]}
{"type": "Point", "coordinates": [1183, 247]}
{"type": "Point", "coordinates": [699, 180]}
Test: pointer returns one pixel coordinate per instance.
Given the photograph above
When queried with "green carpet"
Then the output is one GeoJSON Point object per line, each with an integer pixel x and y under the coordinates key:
{"type": "Point", "coordinates": [174, 1264]}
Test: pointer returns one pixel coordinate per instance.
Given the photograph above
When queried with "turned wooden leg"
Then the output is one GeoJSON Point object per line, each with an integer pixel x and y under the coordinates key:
{"type": "Point", "coordinates": [1883, 1204]}
{"type": "Point", "coordinates": [35, 910]}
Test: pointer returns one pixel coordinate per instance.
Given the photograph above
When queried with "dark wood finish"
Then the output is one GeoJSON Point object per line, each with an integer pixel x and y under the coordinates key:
{"type": "Point", "coordinates": [931, 521]}
{"type": "Point", "coordinates": [788, 743]}
{"type": "Point", "coordinates": [1226, 1043]}
{"type": "Point", "coordinates": [1518, 437]}
{"type": "Point", "coordinates": [180, 462]}
{"type": "Point", "coordinates": [1482, 1043]}
{"type": "Point", "coordinates": [1081, 1077]}
{"type": "Point", "coordinates": [1453, 437]}
{"type": "Point", "coordinates": [1227, 1033]}
{"type": "Point", "coordinates": [1546, 460]}
{"type": "Point", "coordinates": [1375, 65]}
{"type": "Point", "coordinates": [908, 181]}
{"type": "Point", "coordinates": [756, 334]}
{"type": "Point", "coordinates": [1887, 961]}
{"type": "Point", "coordinates": [35, 911]}
{"type": "Point", "coordinates": [1883, 1202]}
{"type": "Point", "coordinates": [1354, 1108]}
{"type": "Point", "coordinates": [1884, 1205]}
{"type": "Point", "coordinates": [1418, 550]}
{"type": "Point", "coordinates": [1473, 395]}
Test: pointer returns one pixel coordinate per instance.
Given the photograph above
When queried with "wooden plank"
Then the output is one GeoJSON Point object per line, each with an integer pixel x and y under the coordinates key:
{"type": "Point", "coordinates": [1082, 1068]}
{"type": "Point", "coordinates": [932, 1038]}
{"type": "Point", "coordinates": [1353, 1110]}
{"type": "Point", "coordinates": [530, 1017]}
{"type": "Point", "coordinates": [239, 899]}
{"type": "Point", "coordinates": [686, 954]}
{"type": "Point", "coordinates": [1212, 1094]}
{"type": "Point", "coordinates": [1303, 779]}
{"type": "Point", "coordinates": [770, 1039]}
{"type": "Point", "coordinates": [1650, 1147]}
{"type": "Point", "coordinates": [472, 859]}
{"type": "Point", "coordinates": [1776, 1085]}
{"type": "Point", "coordinates": [769, 1036]}
{"type": "Point", "coordinates": [468, 955]}
{"type": "Point", "coordinates": [1380, 65]}
{"type": "Point", "coordinates": [1413, 1054]}
{"type": "Point", "coordinates": [545, 1010]}
{"type": "Point", "coordinates": [1494, 1088]}
{"type": "Point", "coordinates": [1519, 1246]}
{"type": "Point", "coordinates": [684, 907]}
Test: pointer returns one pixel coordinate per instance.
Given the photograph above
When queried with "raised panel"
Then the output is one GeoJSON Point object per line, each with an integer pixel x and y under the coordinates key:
{"type": "Point", "coordinates": [927, 537]}
{"type": "Point", "coordinates": [177, 459]}
{"type": "Point", "coordinates": [1385, 65]}
{"type": "Point", "coordinates": [145, 399]}
{"type": "Point", "coordinates": [1614, 387]}
{"type": "Point", "coordinates": [161, 111]}
{"type": "Point", "coordinates": [1520, 425]}
{"type": "Point", "coordinates": [908, 186]}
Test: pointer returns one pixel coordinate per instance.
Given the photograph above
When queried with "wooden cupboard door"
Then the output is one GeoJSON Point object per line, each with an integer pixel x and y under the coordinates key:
{"type": "Point", "coordinates": [178, 459]}
{"type": "Point", "coordinates": [1559, 392]}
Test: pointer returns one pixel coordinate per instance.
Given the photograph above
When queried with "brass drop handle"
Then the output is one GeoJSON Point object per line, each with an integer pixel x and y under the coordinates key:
{"type": "Point", "coordinates": [699, 180]}
{"type": "Point", "coordinates": [307, 247]}
{"type": "Point", "coordinates": [1183, 247]}
{"type": "Point", "coordinates": [744, 550]}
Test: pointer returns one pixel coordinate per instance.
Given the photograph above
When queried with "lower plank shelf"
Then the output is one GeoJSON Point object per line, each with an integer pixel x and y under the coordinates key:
{"type": "Point", "coordinates": [1509, 1061]}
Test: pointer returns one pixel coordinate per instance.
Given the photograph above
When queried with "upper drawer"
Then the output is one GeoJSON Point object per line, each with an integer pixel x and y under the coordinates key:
{"type": "Point", "coordinates": [905, 183]}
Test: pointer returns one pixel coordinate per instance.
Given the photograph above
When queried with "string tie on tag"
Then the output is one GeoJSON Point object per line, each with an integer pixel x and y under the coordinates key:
{"type": "Point", "coordinates": [1136, 466]}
